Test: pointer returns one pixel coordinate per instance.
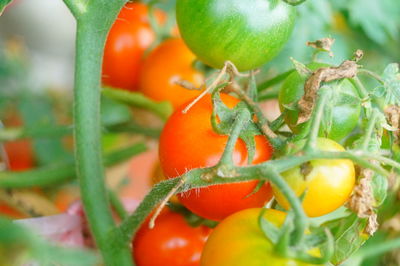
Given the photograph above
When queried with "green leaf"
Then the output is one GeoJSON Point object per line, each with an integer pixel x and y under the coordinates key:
{"type": "Point", "coordinates": [380, 187]}
{"type": "Point", "coordinates": [348, 235]}
{"type": "Point", "coordinates": [377, 18]}
{"type": "Point", "coordinates": [391, 76]}
{"type": "Point", "coordinates": [3, 4]}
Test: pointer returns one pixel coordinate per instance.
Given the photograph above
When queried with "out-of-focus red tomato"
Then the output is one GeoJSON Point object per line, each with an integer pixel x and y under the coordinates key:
{"type": "Point", "coordinates": [10, 212]}
{"type": "Point", "coordinates": [20, 155]}
{"type": "Point", "coordinates": [127, 41]}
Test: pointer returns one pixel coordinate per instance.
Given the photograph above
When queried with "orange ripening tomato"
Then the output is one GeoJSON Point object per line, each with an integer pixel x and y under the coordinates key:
{"type": "Point", "coordinates": [171, 242]}
{"type": "Point", "coordinates": [169, 62]}
{"type": "Point", "coordinates": [188, 141]}
{"type": "Point", "coordinates": [128, 39]}
{"type": "Point", "coordinates": [239, 240]}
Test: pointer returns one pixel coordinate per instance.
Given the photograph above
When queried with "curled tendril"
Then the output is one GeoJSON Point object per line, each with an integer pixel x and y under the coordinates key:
{"type": "Point", "coordinates": [294, 2]}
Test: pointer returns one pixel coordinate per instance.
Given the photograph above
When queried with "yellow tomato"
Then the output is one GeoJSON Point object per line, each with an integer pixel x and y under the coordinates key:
{"type": "Point", "coordinates": [327, 183]}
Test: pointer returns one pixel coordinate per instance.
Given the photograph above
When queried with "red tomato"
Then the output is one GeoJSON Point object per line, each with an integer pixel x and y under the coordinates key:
{"type": "Point", "coordinates": [127, 41]}
{"type": "Point", "coordinates": [20, 152]}
{"type": "Point", "coordinates": [188, 141]}
{"type": "Point", "coordinates": [171, 242]}
{"type": "Point", "coordinates": [169, 62]}
{"type": "Point", "coordinates": [20, 155]}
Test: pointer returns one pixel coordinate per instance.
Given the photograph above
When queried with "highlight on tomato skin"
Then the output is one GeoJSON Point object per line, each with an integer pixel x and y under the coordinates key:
{"type": "Point", "coordinates": [171, 242]}
{"type": "Point", "coordinates": [188, 141]}
{"type": "Point", "coordinates": [127, 41]}
{"type": "Point", "coordinates": [169, 62]}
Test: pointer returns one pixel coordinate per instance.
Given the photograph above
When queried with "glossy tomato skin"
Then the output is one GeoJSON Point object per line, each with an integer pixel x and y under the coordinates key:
{"type": "Point", "coordinates": [169, 62]}
{"type": "Point", "coordinates": [188, 141]}
{"type": "Point", "coordinates": [248, 33]}
{"type": "Point", "coordinates": [238, 240]}
{"type": "Point", "coordinates": [128, 39]}
{"type": "Point", "coordinates": [171, 242]}
{"type": "Point", "coordinates": [328, 185]}
{"type": "Point", "coordinates": [345, 112]}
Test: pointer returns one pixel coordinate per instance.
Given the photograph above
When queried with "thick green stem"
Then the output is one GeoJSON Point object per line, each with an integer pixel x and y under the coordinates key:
{"type": "Point", "coordinates": [89, 44]}
{"type": "Point", "coordinates": [316, 119]}
{"type": "Point", "coordinates": [265, 171]}
{"type": "Point", "coordinates": [94, 20]}
{"type": "Point", "coordinates": [242, 118]}
{"type": "Point", "coordinates": [159, 192]}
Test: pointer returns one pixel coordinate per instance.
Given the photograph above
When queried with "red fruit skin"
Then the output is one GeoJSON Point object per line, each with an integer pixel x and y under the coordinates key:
{"type": "Point", "coordinates": [171, 242]}
{"type": "Point", "coordinates": [127, 41]}
{"type": "Point", "coordinates": [188, 141]}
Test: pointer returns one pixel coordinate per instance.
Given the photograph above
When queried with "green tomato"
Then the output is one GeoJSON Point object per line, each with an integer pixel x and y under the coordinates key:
{"type": "Point", "coordinates": [339, 120]}
{"type": "Point", "coordinates": [247, 33]}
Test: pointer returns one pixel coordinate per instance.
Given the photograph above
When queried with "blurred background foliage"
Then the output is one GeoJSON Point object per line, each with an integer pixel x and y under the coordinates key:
{"type": "Point", "coordinates": [36, 77]}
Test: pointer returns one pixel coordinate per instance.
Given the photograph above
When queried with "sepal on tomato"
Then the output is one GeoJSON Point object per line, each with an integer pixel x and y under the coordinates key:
{"type": "Point", "coordinates": [316, 247]}
{"type": "Point", "coordinates": [223, 118]}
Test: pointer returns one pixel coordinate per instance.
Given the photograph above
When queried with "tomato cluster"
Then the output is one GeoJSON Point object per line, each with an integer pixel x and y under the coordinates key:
{"type": "Point", "coordinates": [130, 63]}
{"type": "Point", "coordinates": [248, 35]}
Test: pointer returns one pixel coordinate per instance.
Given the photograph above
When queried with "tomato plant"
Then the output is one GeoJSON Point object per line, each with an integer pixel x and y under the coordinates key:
{"type": "Point", "coordinates": [216, 153]}
{"type": "Point", "coordinates": [128, 39]}
{"type": "Point", "coordinates": [189, 141]}
{"type": "Point", "coordinates": [345, 106]}
{"type": "Point", "coordinates": [239, 240]}
{"type": "Point", "coordinates": [326, 183]}
{"type": "Point", "coordinates": [171, 242]}
{"type": "Point", "coordinates": [247, 33]}
{"type": "Point", "coordinates": [171, 61]}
